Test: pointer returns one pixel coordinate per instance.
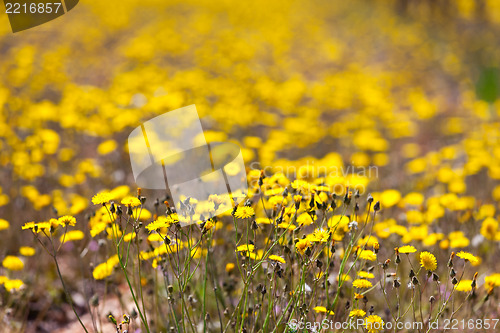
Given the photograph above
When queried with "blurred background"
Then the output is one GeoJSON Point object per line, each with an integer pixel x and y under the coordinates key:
{"type": "Point", "coordinates": [411, 87]}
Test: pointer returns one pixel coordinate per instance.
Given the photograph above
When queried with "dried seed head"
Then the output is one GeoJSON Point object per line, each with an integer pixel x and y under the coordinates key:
{"type": "Point", "coordinates": [369, 199]}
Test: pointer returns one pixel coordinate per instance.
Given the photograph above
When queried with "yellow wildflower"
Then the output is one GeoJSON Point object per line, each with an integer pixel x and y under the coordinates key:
{"type": "Point", "coordinates": [464, 285]}
{"type": "Point", "coordinates": [407, 249]}
{"type": "Point", "coordinates": [357, 313]}
{"type": "Point", "coordinates": [72, 235]}
{"type": "Point", "coordinates": [428, 261]}
{"type": "Point", "coordinates": [131, 201]}
{"type": "Point", "coordinates": [277, 258]}
{"type": "Point", "coordinates": [13, 263]}
{"type": "Point", "coordinates": [244, 212]}
{"type": "Point", "coordinates": [322, 309]}
{"type": "Point", "coordinates": [27, 251]}
{"type": "Point", "coordinates": [368, 255]}
{"type": "Point", "coordinates": [468, 256]}
{"type": "Point", "coordinates": [4, 224]}
{"type": "Point", "coordinates": [365, 275]}
{"type": "Point", "coordinates": [361, 283]}
{"type": "Point", "coordinates": [374, 324]}
{"type": "Point", "coordinates": [102, 198]}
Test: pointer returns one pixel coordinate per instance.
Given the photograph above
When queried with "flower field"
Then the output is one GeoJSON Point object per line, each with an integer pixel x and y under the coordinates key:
{"type": "Point", "coordinates": [370, 132]}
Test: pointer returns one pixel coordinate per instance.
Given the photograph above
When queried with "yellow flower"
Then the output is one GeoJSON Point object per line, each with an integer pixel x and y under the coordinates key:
{"type": "Point", "coordinates": [464, 285]}
{"type": "Point", "coordinates": [374, 324]}
{"type": "Point", "coordinates": [365, 275]}
{"type": "Point", "coordinates": [29, 225]}
{"type": "Point", "coordinates": [319, 235]}
{"type": "Point", "coordinates": [468, 256]}
{"type": "Point", "coordinates": [27, 251]}
{"type": "Point", "coordinates": [245, 247]}
{"type": "Point", "coordinates": [4, 224]}
{"type": "Point", "coordinates": [72, 235]}
{"type": "Point", "coordinates": [305, 219]}
{"type": "Point", "coordinates": [161, 222]}
{"type": "Point", "coordinates": [407, 249]}
{"type": "Point", "coordinates": [361, 283]}
{"type": "Point", "coordinates": [105, 269]}
{"type": "Point", "coordinates": [389, 198]}
{"type": "Point", "coordinates": [302, 245]}
{"type": "Point", "coordinates": [492, 280]}
{"type": "Point", "coordinates": [357, 313]}
{"type": "Point", "coordinates": [277, 258]}
{"type": "Point", "coordinates": [322, 309]}
{"type": "Point", "coordinates": [102, 198]}
{"type": "Point", "coordinates": [368, 255]}
{"type": "Point", "coordinates": [12, 285]}
{"type": "Point", "coordinates": [131, 201]}
{"type": "Point", "coordinates": [106, 147]}
{"type": "Point", "coordinates": [229, 267]}
{"type": "Point", "coordinates": [67, 220]}
{"type": "Point", "coordinates": [128, 237]}
{"type": "Point", "coordinates": [489, 228]}
{"type": "Point", "coordinates": [13, 263]}
{"type": "Point", "coordinates": [428, 261]}
{"type": "Point", "coordinates": [244, 212]}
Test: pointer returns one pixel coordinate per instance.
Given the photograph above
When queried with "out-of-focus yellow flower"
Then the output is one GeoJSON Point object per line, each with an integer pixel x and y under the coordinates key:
{"type": "Point", "coordinates": [492, 280]}
{"type": "Point", "coordinates": [230, 267]}
{"type": "Point", "coordinates": [407, 249]}
{"type": "Point", "coordinates": [365, 275]}
{"type": "Point", "coordinates": [4, 224]}
{"type": "Point", "coordinates": [389, 198]}
{"type": "Point", "coordinates": [71, 236]}
{"type": "Point", "coordinates": [128, 237]}
{"type": "Point", "coordinates": [27, 251]}
{"type": "Point", "coordinates": [489, 228]}
{"type": "Point", "coordinates": [131, 201]}
{"type": "Point", "coordinates": [414, 199]}
{"type": "Point", "coordinates": [464, 285]}
{"type": "Point", "coordinates": [13, 285]}
{"type": "Point", "coordinates": [322, 309]}
{"type": "Point", "coordinates": [106, 147]}
{"type": "Point", "coordinates": [277, 258]}
{"type": "Point", "coordinates": [105, 269]}
{"type": "Point", "coordinates": [13, 263]}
